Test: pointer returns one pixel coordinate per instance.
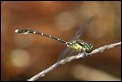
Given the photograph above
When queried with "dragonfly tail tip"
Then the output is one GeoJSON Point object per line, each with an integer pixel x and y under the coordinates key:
{"type": "Point", "coordinates": [16, 30]}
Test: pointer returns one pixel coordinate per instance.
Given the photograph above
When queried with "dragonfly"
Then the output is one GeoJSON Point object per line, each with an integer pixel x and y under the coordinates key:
{"type": "Point", "coordinates": [74, 46]}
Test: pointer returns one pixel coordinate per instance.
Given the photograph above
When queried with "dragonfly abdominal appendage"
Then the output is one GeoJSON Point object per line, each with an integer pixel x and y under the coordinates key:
{"type": "Point", "coordinates": [23, 31]}
{"type": "Point", "coordinates": [16, 30]}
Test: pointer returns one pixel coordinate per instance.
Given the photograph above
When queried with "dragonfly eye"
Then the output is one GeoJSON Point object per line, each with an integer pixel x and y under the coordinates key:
{"type": "Point", "coordinates": [88, 47]}
{"type": "Point", "coordinates": [89, 50]}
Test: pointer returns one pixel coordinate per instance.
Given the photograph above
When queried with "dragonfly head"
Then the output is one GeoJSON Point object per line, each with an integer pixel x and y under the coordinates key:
{"type": "Point", "coordinates": [88, 47]}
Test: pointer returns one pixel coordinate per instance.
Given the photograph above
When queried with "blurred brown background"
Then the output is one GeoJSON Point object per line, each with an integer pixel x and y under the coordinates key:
{"type": "Point", "coordinates": [23, 56]}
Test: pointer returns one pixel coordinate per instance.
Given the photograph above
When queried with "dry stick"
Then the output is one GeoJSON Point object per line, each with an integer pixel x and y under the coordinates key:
{"type": "Point", "coordinates": [68, 59]}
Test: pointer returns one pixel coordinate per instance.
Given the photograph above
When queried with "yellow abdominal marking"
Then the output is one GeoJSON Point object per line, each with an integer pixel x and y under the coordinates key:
{"type": "Point", "coordinates": [76, 47]}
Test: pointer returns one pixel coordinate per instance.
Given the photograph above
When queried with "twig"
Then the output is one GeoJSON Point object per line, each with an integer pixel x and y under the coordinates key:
{"type": "Point", "coordinates": [68, 59]}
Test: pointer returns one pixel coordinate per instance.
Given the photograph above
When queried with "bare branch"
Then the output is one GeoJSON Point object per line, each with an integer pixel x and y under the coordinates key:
{"type": "Point", "coordinates": [69, 59]}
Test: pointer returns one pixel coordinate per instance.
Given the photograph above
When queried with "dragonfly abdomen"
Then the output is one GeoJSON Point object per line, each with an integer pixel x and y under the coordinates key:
{"type": "Point", "coordinates": [26, 31]}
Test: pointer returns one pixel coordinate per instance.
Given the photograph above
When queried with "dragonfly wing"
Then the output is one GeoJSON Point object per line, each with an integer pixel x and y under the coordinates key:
{"type": "Point", "coordinates": [64, 54]}
{"type": "Point", "coordinates": [73, 53]}
{"type": "Point", "coordinates": [83, 27]}
{"type": "Point", "coordinates": [68, 51]}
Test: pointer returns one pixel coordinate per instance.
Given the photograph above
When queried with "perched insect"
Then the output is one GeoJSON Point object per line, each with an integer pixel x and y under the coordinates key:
{"type": "Point", "coordinates": [75, 45]}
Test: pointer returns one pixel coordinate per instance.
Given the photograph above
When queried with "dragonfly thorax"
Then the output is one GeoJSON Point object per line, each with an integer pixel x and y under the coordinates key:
{"type": "Point", "coordinates": [80, 45]}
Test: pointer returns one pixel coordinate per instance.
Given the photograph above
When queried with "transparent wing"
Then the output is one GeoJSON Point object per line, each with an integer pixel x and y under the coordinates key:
{"type": "Point", "coordinates": [72, 53]}
{"type": "Point", "coordinates": [64, 53]}
{"type": "Point", "coordinates": [68, 51]}
{"type": "Point", "coordinates": [83, 27]}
